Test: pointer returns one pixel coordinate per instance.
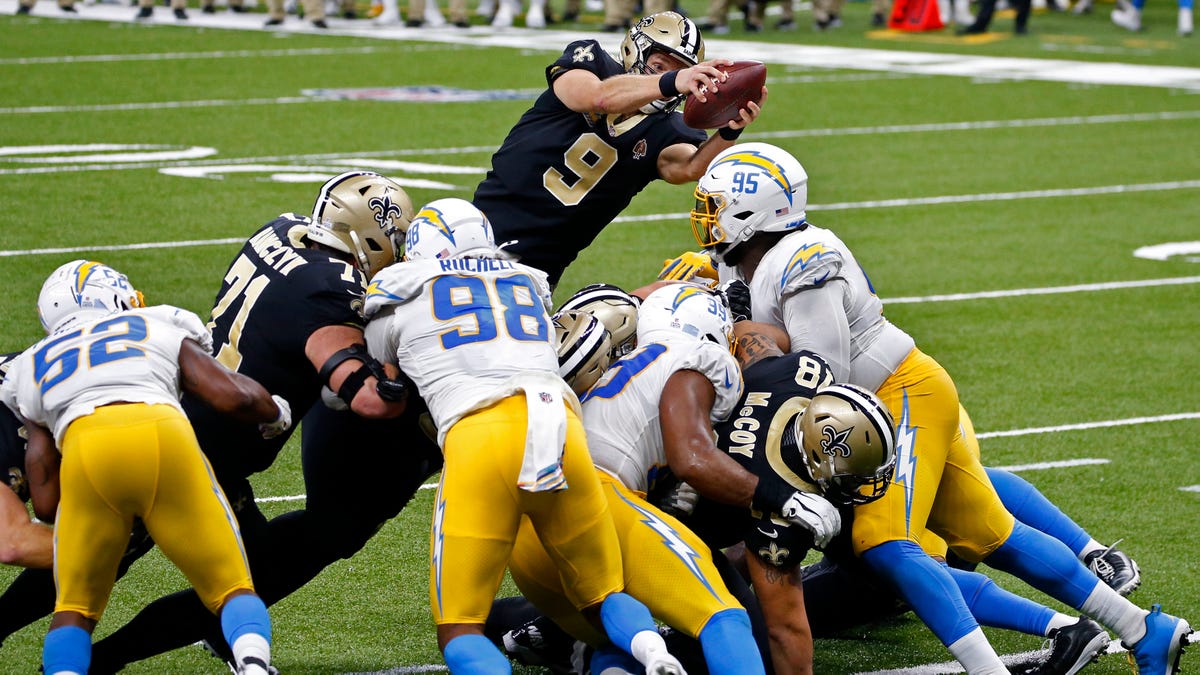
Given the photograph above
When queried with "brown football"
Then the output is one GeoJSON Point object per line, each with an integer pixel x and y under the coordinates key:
{"type": "Point", "coordinates": [745, 83]}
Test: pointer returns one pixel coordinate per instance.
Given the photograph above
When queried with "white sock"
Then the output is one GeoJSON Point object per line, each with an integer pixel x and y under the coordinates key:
{"type": "Point", "coordinates": [976, 655]}
{"type": "Point", "coordinates": [1119, 615]}
{"type": "Point", "coordinates": [1059, 620]}
{"type": "Point", "coordinates": [251, 645]}
{"type": "Point", "coordinates": [1092, 545]}
{"type": "Point", "coordinates": [645, 644]}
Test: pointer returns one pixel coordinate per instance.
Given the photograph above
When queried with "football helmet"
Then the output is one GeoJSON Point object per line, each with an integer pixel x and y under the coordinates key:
{"type": "Point", "coordinates": [84, 288]}
{"type": "Point", "coordinates": [449, 228]}
{"type": "Point", "coordinates": [363, 214]}
{"type": "Point", "coordinates": [584, 349]}
{"type": "Point", "coordinates": [685, 309]}
{"type": "Point", "coordinates": [667, 33]}
{"type": "Point", "coordinates": [616, 310]}
{"type": "Point", "coordinates": [848, 441]}
{"type": "Point", "coordinates": [747, 189]}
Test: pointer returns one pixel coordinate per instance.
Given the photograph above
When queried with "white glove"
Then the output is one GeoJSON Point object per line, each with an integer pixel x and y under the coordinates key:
{"type": "Point", "coordinates": [282, 423]}
{"type": "Point", "coordinates": [680, 501]}
{"type": "Point", "coordinates": [815, 514]}
{"type": "Point", "coordinates": [332, 400]}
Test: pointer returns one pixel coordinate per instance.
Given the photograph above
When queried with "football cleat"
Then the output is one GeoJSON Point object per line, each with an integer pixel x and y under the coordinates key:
{"type": "Point", "coordinates": [1072, 647]}
{"type": "Point", "coordinates": [1115, 568]}
{"type": "Point", "coordinates": [1158, 652]}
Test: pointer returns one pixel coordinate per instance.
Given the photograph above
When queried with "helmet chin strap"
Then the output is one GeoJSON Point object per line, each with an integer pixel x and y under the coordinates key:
{"type": "Point", "coordinates": [360, 255]}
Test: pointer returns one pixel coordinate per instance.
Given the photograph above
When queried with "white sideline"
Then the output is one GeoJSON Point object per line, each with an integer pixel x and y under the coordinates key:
{"type": "Point", "coordinates": [813, 56]}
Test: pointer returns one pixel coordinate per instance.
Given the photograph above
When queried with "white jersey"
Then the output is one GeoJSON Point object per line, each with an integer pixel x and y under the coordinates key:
{"type": "Point", "coordinates": [468, 331]}
{"type": "Point", "coordinates": [620, 413]}
{"type": "Point", "coordinates": [131, 357]}
{"type": "Point", "coordinates": [810, 285]}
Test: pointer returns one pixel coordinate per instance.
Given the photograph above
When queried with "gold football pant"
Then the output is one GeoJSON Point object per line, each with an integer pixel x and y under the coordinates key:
{"type": "Point", "coordinates": [478, 510]}
{"type": "Point", "coordinates": [139, 460]}
{"type": "Point", "coordinates": [667, 567]}
{"type": "Point", "coordinates": [939, 485]}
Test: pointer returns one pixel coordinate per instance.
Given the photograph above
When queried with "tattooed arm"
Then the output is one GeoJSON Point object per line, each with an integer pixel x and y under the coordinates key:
{"type": "Point", "coordinates": [757, 341]}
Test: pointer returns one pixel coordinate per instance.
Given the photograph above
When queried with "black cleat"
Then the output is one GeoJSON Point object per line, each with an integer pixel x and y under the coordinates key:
{"type": "Point", "coordinates": [22, 9]}
{"type": "Point", "coordinates": [1115, 568]}
{"type": "Point", "coordinates": [180, 14]}
{"type": "Point", "coordinates": [273, 22]}
{"type": "Point", "coordinates": [69, 9]}
{"type": "Point", "coordinates": [208, 9]}
{"type": "Point", "coordinates": [320, 23]}
{"type": "Point", "coordinates": [1073, 647]}
{"type": "Point", "coordinates": [540, 643]}
{"type": "Point", "coordinates": [144, 13]}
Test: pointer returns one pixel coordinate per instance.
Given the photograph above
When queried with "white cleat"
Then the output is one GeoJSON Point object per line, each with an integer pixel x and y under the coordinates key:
{"type": "Point", "coordinates": [387, 18]}
{"type": "Point", "coordinates": [662, 663]}
{"type": "Point", "coordinates": [504, 16]}
{"type": "Point", "coordinates": [1185, 21]}
{"type": "Point", "coordinates": [1082, 7]}
{"type": "Point", "coordinates": [1129, 19]}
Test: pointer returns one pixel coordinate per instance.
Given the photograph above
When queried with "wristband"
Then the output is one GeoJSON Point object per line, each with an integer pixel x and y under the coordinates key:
{"type": "Point", "coordinates": [666, 84]}
{"type": "Point", "coordinates": [729, 134]}
{"type": "Point", "coordinates": [770, 494]}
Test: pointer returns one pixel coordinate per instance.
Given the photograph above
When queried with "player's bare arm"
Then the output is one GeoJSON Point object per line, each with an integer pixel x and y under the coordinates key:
{"type": "Point", "coordinates": [684, 408]}
{"type": "Point", "coordinates": [583, 92]}
{"type": "Point", "coordinates": [324, 344]}
{"type": "Point", "coordinates": [222, 389]}
{"type": "Point", "coordinates": [25, 543]}
{"type": "Point", "coordinates": [41, 469]}
{"type": "Point", "coordinates": [781, 595]}
{"type": "Point", "coordinates": [758, 341]}
{"type": "Point", "coordinates": [683, 163]}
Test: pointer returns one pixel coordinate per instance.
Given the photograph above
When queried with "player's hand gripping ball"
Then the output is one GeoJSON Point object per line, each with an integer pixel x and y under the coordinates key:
{"type": "Point", "coordinates": [745, 84]}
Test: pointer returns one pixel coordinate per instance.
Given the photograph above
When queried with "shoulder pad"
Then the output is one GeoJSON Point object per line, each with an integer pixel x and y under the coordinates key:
{"type": "Point", "coordinates": [721, 369]}
{"type": "Point", "coordinates": [184, 320]}
{"type": "Point", "coordinates": [810, 264]}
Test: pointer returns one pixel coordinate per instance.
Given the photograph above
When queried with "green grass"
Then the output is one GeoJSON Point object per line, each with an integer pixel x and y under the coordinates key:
{"type": "Point", "coordinates": [1019, 362]}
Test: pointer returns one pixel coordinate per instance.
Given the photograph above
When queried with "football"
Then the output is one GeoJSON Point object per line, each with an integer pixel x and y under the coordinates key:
{"type": "Point", "coordinates": [745, 83]}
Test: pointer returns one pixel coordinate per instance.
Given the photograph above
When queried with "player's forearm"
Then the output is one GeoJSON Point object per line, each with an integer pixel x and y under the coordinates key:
{"type": "Point", "coordinates": [30, 544]}
{"type": "Point", "coordinates": [618, 95]}
{"type": "Point", "coordinates": [781, 597]}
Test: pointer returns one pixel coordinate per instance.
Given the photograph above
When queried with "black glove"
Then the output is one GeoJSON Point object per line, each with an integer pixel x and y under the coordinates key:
{"type": "Point", "coordinates": [737, 294]}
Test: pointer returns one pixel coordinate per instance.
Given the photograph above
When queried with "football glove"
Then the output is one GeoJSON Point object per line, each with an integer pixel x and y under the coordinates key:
{"type": "Point", "coordinates": [737, 294]}
{"type": "Point", "coordinates": [690, 266]}
{"type": "Point", "coordinates": [815, 514]}
{"type": "Point", "coordinates": [332, 400]}
{"type": "Point", "coordinates": [679, 501]}
{"type": "Point", "coordinates": [281, 424]}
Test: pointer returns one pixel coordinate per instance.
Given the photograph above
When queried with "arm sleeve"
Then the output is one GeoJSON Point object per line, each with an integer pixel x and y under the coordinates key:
{"type": "Point", "coordinates": [816, 320]}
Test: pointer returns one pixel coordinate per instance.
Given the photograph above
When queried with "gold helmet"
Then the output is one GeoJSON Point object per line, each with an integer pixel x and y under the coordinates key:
{"type": "Point", "coordinates": [615, 308]}
{"type": "Point", "coordinates": [365, 215]}
{"type": "Point", "coordinates": [584, 349]}
{"type": "Point", "coordinates": [666, 33]}
{"type": "Point", "coordinates": [848, 441]}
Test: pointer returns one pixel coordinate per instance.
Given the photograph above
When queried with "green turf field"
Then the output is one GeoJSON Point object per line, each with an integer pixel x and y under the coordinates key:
{"type": "Point", "coordinates": [997, 214]}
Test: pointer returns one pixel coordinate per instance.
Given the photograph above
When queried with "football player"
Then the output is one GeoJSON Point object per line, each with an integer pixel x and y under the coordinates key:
{"type": "Point", "coordinates": [26, 542]}
{"type": "Point", "coordinates": [289, 314]}
{"type": "Point", "coordinates": [109, 444]}
{"type": "Point", "coordinates": [804, 280]}
{"type": "Point", "coordinates": [471, 328]}
{"type": "Point", "coordinates": [599, 134]}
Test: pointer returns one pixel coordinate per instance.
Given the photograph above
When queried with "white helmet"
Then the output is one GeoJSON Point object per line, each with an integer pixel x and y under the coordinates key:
{"type": "Point", "coordinates": [685, 309]}
{"type": "Point", "coordinates": [749, 188]}
{"type": "Point", "coordinates": [584, 349]}
{"type": "Point", "coordinates": [848, 441]}
{"type": "Point", "coordinates": [449, 228]}
{"type": "Point", "coordinates": [615, 308]}
{"type": "Point", "coordinates": [363, 214]}
{"type": "Point", "coordinates": [84, 288]}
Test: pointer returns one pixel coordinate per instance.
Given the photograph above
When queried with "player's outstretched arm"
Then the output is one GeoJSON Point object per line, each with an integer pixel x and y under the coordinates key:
{"type": "Point", "coordinates": [684, 163]}
{"type": "Point", "coordinates": [25, 542]}
{"type": "Point", "coordinates": [584, 92]}
{"type": "Point", "coordinates": [224, 390]}
{"type": "Point", "coordinates": [780, 593]}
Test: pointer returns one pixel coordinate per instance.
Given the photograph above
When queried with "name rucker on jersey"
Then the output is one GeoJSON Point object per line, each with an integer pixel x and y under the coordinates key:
{"type": "Point", "coordinates": [759, 436]}
{"type": "Point", "coordinates": [620, 412]}
{"type": "Point", "coordinates": [489, 329]}
{"type": "Point", "coordinates": [274, 296]}
{"type": "Point", "coordinates": [811, 258]}
{"type": "Point", "coordinates": [129, 357]}
{"type": "Point", "coordinates": [556, 159]}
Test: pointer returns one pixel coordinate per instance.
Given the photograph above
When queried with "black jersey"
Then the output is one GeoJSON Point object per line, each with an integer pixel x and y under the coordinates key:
{"type": "Point", "coordinates": [560, 176]}
{"type": "Point", "coordinates": [274, 296]}
{"type": "Point", "coordinates": [12, 442]}
{"type": "Point", "coordinates": [760, 436]}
